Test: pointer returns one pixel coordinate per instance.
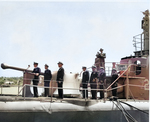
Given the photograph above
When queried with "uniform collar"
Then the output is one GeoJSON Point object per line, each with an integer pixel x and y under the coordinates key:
{"type": "Point", "coordinates": [85, 71]}
{"type": "Point", "coordinates": [60, 68]}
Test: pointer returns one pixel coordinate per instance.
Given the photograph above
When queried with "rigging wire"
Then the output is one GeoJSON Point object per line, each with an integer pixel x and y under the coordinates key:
{"type": "Point", "coordinates": [121, 111]}
{"type": "Point", "coordinates": [135, 108]}
{"type": "Point", "coordinates": [127, 112]}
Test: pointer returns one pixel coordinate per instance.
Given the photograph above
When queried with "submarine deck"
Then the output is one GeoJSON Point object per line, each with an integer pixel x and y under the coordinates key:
{"type": "Point", "coordinates": [54, 99]}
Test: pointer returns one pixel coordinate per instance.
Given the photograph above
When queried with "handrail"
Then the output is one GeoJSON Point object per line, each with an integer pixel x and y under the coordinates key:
{"type": "Point", "coordinates": [138, 41]}
{"type": "Point", "coordinates": [84, 89]}
{"type": "Point", "coordinates": [21, 90]}
{"type": "Point", "coordinates": [119, 76]}
{"type": "Point", "coordinates": [105, 90]}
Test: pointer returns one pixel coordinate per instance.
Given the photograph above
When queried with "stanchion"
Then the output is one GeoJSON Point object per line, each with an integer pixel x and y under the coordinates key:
{"type": "Point", "coordinates": [18, 87]}
{"type": "Point", "coordinates": [105, 95]}
{"type": "Point", "coordinates": [51, 90]}
{"type": "Point", "coordinates": [1, 89]}
{"type": "Point", "coordinates": [85, 95]}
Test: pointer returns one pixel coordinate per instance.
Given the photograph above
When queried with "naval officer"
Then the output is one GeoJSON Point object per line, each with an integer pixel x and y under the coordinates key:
{"type": "Point", "coordinates": [47, 78]}
{"type": "Point", "coordinates": [114, 76]}
{"type": "Point", "coordinates": [60, 79]}
{"type": "Point", "coordinates": [102, 79]}
{"type": "Point", "coordinates": [85, 80]}
{"type": "Point", "coordinates": [93, 83]}
{"type": "Point", "coordinates": [36, 71]}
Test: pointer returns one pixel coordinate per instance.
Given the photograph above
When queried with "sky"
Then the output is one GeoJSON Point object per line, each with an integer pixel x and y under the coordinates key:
{"type": "Point", "coordinates": [68, 31]}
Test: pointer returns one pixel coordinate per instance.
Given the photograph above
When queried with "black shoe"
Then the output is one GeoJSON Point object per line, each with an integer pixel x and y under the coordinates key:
{"type": "Point", "coordinates": [111, 99]}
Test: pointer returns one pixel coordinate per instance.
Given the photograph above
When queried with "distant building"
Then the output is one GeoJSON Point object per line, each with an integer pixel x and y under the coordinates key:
{"type": "Point", "coordinates": [8, 83]}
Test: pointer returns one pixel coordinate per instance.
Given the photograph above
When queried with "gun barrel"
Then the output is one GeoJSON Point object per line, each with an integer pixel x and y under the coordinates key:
{"type": "Point", "coordinates": [4, 66]}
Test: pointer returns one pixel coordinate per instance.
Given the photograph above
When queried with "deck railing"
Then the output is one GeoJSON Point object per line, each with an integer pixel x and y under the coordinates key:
{"type": "Point", "coordinates": [138, 42]}
{"type": "Point", "coordinates": [105, 90]}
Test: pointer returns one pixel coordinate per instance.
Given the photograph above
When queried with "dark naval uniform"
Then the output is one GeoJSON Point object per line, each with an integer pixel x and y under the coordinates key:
{"type": "Point", "coordinates": [47, 78]}
{"type": "Point", "coordinates": [85, 79]}
{"type": "Point", "coordinates": [60, 78]}
{"type": "Point", "coordinates": [36, 80]}
{"type": "Point", "coordinates": [102, 78]}
{"type": "Point", "coordinates": [93, 84]}
{"type": "Point", "coordinates": [113, 78]}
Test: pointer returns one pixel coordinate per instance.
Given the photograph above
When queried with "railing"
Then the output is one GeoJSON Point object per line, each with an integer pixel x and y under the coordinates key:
{"type": "Point", "coordinates": [104, 90]}
{"type": "Point", "coordinates": [108, 67]}
{"type": "Point", "coordinates": [138, 42]}
{"type": "Point", "coordinates": [12, 86]}
{"type": "Point", "coordinates": [83, 89]}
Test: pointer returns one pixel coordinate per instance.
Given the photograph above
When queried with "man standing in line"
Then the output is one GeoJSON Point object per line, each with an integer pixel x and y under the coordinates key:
{"type": "Point", "coordinates": [47, 78]}
{"type": "Point", "coordinates": [114, 76]}
{"type": "Point", "coordinates": [60, 79]}
{"type": "Point", "coordinates": [85, 79]}
{"type": "Point", "coordinates": [36, 71]}
{"type": "Point", "coordinates": [93, 82]}
{"type": "Point", "coordinates": [102, 79]}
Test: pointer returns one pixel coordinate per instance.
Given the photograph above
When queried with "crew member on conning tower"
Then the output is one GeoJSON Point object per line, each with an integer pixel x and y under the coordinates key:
{"type": "Point", "coordinates": [100, 59]}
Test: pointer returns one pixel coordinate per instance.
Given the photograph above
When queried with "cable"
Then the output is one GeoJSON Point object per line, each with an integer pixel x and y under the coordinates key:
{"type": "Point", "coordinates": [125, 113]}
{"type": "Point", "coordinates": [135, 108]}
{"type": "Point", "coordinates": [121, 111]}
{"type": "Point", "coordinates": [134, 120]}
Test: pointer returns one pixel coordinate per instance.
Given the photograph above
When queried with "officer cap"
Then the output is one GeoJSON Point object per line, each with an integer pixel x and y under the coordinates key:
{"type": "Point", "coordinates": [101, 49]}
{"type": "Point", "coordinates": [35, 63]}
{"type": "Point", "coordinates": [46, 65]}
{"type": "Point", "coordinates": [83, 67]}
{"type": "Point", "coordinates": [93, 66]}
{"type": "Point", "coordinates": [60, 63]}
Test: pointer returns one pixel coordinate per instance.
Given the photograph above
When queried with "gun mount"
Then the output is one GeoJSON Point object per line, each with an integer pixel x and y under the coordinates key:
{"type": "Point", "coordinates": [27, 77]}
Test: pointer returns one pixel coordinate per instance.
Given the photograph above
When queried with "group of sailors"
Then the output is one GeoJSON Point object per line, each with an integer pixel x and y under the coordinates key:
{"type": "Point", "coordinates": [47, 78]}
{"type": "Point", "coordinates": [96, 80]}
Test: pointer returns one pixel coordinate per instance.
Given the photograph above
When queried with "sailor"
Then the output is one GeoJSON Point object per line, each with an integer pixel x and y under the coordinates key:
{"type": "Point", "coordinates": [85, 80]}
{"type": "Point", "coordinates": [102, 79]}
{"type": "Point", "coordinates": [100, 59]}
{"type": "Point", "coordinates": [60, 79]}
{"type": "Point", "coordinates": [93, 82]}
{"type": "Point", "coordinates": [36, 71]}
{"type": "Point", "coordinates": [47, 78]}
{"type": "Point", "coordinates": [114, 76]}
